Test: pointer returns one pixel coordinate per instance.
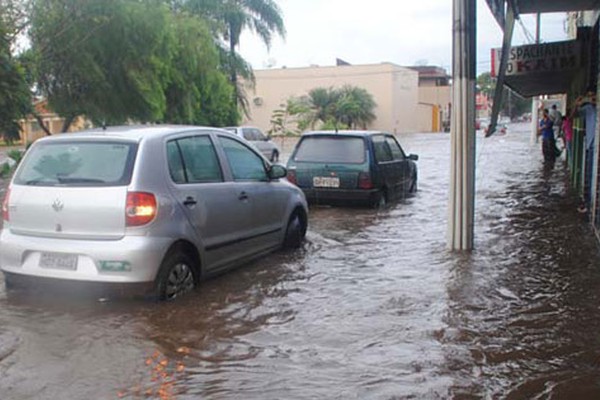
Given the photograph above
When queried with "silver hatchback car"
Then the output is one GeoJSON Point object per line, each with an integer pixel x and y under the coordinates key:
{"type": "Point", "coordinates": [164, 206]}
{"type": "Point", "coordinates": [262, 142]}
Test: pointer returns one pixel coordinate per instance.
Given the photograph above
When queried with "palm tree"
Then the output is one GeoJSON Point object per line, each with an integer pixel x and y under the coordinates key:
{"type": "Point", "coordinates": [348, 107]}
{"type": "Point", "coordinates": [355, 107]}
{"type": "Point", "coordinates": [230, 18]}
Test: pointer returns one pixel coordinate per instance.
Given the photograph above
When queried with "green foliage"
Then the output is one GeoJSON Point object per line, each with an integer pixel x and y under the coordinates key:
{"type": "Point", "coordinates": [198, 92]}
{"type": "Point", "coordinates": [108, 60]}
{"type": "Point", "coordinates": [5, 170]}
{"type": "Point", "coordinates": [15, 97]}
{"type": "Point", "coordinates": [16, 155]}
{"type": "Point", "coordinates": [129, 60]}
{"type": "Point", "coordinates": [228, 19]}
{"type": "Point", "coordinates": [513, 105]}
{"type": "Point", "coordinates": [348, 107]}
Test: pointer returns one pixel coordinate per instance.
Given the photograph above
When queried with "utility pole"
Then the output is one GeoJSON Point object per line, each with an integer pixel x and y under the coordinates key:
{"type": "Point", "coordinates": [462, 157]}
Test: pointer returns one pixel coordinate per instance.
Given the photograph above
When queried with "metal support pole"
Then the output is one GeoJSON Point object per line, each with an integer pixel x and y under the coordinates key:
{"type": "Point", "coordinates": [535, 101]}
{"type": "Point", "coordinates": [509, 25]}
{"type": "Point", "coordinates": [462, 158]}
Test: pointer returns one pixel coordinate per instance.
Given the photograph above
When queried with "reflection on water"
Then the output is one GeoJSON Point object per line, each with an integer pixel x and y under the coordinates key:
{"type": "Point", "coordinates": [373, 306]}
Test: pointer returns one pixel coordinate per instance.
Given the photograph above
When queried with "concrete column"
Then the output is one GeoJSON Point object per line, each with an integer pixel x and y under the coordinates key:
{"type": "Point", "coordinates": [462, 156]}
{"type": "Point", "coordinates": [535, 105]}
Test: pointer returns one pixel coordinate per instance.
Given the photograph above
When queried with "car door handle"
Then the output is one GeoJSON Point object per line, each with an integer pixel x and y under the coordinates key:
{"type": "Point", "coordinates": [243, 196]}
{"type": "Point", "coordinates": [189, 201]}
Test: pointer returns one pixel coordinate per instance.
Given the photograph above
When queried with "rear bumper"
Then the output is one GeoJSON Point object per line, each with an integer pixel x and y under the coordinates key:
{"type": "Point", "coordinates": [139, 256]}
{"type": "Point", "coordinates": [340, 196]}
{"type": "Point", "coordinates": [67, 287]}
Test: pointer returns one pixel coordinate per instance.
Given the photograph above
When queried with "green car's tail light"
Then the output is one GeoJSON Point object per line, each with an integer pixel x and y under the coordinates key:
{"type": "Point", "coordinates": [364, 181]}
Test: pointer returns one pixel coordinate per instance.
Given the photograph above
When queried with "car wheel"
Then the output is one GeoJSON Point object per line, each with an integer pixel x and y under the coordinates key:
{"type": "Point", "coordinates": [9, 282]}
{"type": "Point", "coordinates": [380, 200]}
{"type": "Point", "coordinates": [274, 156]}
{"type": "Point", "coordinates": [295, 231]}
{"type": "Point", "coordinates": [176, 276]}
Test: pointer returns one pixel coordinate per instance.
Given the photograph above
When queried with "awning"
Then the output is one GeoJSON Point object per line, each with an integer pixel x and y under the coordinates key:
{"type": "Point", "coordinates": [547, 68]}
{"type": "Point", "coordinates": [541, 80]}
{"type": "Point", "coordinates": [548, 6]}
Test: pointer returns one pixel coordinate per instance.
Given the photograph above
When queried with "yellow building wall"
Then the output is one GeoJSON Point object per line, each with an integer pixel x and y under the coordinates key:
{"type": "Point", "coordinates": [394, 89]}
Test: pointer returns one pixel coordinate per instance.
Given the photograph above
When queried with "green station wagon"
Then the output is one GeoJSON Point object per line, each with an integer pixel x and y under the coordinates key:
{"type": "Point", "coordinates": [352, 167]}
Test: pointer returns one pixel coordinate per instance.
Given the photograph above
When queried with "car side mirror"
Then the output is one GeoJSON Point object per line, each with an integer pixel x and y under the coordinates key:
{"type": "Point", "coordinates": [277, 171]}
{"type": "Point", "coordinates": [413, 157]}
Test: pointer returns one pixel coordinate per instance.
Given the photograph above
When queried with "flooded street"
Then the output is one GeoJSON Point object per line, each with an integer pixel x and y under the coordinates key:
{"type": "Point", "coordinates": [372, 307]}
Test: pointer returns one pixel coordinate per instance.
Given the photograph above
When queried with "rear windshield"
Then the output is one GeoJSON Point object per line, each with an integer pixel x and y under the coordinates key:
{"type": "Point", "coordinates": [326, 149]}
{"type": "Point", "coordinates": [78, 163]}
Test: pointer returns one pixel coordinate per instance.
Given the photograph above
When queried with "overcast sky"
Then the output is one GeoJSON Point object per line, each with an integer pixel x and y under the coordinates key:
{"type": "Point", "coordinates": [403, 32]}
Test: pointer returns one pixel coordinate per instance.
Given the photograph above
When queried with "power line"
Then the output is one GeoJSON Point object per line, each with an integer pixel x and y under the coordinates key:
{"type": "Point", "coordinates": [526, 32]}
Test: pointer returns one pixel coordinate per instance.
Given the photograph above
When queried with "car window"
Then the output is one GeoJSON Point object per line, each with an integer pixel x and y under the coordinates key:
{"type": "Point", "coordinates": [258, 135]}
{"type": "Point", "coordinates": [331, 149]}
{"type": "Point", "coordinates": [395, 148]}
{"type": "Point", "coordinates": [78, 163]}
{"type": "Point", "coordinates": [248, 134]}
{"type": "Point", "coordinates": [193, 160]}
{"type": "Point", "coordinates": [383, 153]}
{"type": "Point", "coordinates": [175, 163]}
{"type": "Point", "coordinates": [244, 163]}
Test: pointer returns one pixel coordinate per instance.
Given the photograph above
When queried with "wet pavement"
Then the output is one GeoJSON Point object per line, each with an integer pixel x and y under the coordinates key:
{"type": "Point", "coordinates": [372, 307]}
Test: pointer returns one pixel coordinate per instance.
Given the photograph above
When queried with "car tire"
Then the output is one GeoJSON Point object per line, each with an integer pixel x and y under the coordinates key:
{"type": "Point", "coordinates": [380, 200]}
{"type": "Point", "coordinates": [295, 231]}
{"type": "Point", "coordinates": [9, 282]}
{"type": "Point", "coordinates": [274, 156]}
{"type": "Point", "coordinates": [175, 276]}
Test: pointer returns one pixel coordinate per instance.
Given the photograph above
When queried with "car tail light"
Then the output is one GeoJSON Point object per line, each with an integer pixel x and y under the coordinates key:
{"type": "Point", "coordinates": [140, 209]}
{"type": "Point", "coordinates": [5, 214]}
{"type": "Point", "coordinates": [364, 181]}
{"type": "Point", "coordinates": [291, 176]}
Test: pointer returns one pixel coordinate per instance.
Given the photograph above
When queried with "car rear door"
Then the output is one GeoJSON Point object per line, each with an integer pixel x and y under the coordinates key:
{"type": "Point", "coordinates": [212, 204]}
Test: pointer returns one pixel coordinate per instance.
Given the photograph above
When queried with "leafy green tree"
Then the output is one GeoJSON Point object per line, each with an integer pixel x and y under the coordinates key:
{"type": "Point", "coordinates": [513, 104]}
{"type": "Point", "coordinates": [230, 18]}
{"type": "Point", "coordinates": [198, 91]}
{"type": "Point", "coordinates": [15, 98]}
{"type": "Point", "coordinates": [355, 107]}
{"type": "Point", "coordinates": [109, 62]}
{"type": "Point", "coordinates": [128, 60]}
{"type": "Point", "coordinates": [345, 107]}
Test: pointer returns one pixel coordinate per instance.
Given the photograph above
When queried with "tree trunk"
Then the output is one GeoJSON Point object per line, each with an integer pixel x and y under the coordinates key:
{"type": "Point", "coordinates": [232, 71]}
{"type": "Point", "coordinates": [42, 125]}
{"type": "Point", "coordinates": [67, 124]}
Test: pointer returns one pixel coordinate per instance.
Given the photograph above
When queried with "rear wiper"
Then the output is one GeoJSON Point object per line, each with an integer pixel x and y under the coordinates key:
{"type": "Point", "coordinates": [37, 181]}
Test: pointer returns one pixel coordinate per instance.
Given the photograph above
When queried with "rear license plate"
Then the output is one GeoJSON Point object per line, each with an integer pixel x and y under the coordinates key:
{"type": "Point", "coordinates": [58, 261]}
{"type": "Point", "coordinates": [326, 181]}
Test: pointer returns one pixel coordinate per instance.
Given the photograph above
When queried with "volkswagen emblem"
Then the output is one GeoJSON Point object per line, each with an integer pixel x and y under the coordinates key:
{"type": "Point", "coordinates": [57, 205]}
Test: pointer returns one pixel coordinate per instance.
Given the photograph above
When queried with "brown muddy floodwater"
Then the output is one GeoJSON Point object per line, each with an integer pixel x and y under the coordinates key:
{"type": "Point", "coordinates": [373, 307]}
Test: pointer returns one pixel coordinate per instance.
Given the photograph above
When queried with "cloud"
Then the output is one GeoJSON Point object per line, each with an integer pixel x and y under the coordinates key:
{"type": "Point", "coordinates": [404, 32]}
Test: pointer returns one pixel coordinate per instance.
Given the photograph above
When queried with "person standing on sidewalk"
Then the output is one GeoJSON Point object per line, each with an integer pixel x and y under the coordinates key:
{"type": "Point", "coordinates": [546, 131]}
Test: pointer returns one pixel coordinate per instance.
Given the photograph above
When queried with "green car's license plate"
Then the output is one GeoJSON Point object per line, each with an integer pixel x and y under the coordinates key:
{"type": "Point", "coordinates": [326, 182]}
